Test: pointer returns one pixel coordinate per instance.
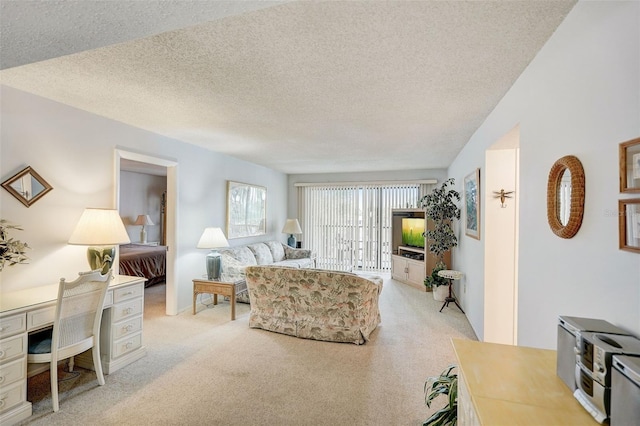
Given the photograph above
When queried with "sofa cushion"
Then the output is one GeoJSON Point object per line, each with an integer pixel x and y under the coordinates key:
{"type": "Point", "coordinates": [296, 263]}
{"type": "Point", "coordinates": [241, 254]}
{"type": "Point", "coordinates": [277, 250]}
{"type": "Point", "coordinates": [262, 253]}
{"type": "Point", "coordinates": [293, 253]}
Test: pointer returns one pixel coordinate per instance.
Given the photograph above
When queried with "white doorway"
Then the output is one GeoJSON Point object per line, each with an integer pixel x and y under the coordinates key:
{"type": "Point", "coordinates": [171, 212]}
{"type": "Point", "coordinates": [501, 240]}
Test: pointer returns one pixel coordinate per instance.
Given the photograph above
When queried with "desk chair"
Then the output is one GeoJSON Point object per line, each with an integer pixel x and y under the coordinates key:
{"type": "Point", "coordinates": [76, 326]}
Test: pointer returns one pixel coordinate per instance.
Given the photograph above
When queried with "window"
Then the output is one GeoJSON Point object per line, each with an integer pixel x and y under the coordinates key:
{"type": "Point", "coordinates": [349, 226]}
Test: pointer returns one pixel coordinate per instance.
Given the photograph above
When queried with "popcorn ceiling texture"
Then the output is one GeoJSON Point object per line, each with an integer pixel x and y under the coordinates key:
{"type": "Point", "coordinates": [300, 87]}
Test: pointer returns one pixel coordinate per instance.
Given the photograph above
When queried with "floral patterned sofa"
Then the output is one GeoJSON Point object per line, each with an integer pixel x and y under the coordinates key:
{"type": "Point", "coordinates": [236, 259]}
{"type": "Point", "coordinates": [314, 304]}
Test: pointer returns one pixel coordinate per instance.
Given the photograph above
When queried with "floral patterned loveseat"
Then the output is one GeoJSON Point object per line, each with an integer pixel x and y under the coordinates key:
{"type": "Point", "coordinates": [314, 304]}
{"type": "Point", "coordinates": [236, 259]}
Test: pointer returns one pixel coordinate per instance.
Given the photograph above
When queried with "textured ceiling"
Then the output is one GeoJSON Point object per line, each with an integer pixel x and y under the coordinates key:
{"type": "Point", "coordinates": [301, 87]}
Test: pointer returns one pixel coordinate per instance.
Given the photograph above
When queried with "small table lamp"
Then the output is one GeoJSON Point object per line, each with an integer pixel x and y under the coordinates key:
{"type": "Point", "coordinates": [450, 275]}
{"type": "Point", "coordinates": [213, 238]}
{"type": "Point", "coordinates": [102, 230]}
{"type": "Point", "coordinates": [291, 227]}
{"type": "Point", "coordinates": [143, 220]}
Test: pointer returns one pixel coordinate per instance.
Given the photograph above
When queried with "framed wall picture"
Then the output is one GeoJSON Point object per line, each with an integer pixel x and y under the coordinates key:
{"type": "Point", "coordinates": [27, 186]}
{"type": "Point", "coordinates": [629, 224]}
{"type": "Point", "coordinates": [630, 166]}
{"type": "Point", "coordinates": [246, 210]}
{"type": "Point", "coordinates": [472, 204]}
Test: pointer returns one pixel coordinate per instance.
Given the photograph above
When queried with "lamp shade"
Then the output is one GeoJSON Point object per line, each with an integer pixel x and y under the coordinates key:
{"type": "Point", "coordinates": [212, 238]}
{"type": "Point", "coordinates": [143, 220]}
{"type": "Point", "coordinates": [99, 227]}
{"type": "Point", "coordinates": [291, 226]}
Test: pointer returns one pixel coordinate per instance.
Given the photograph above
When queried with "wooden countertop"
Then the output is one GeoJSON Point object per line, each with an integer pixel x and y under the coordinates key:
{"type": "Point", "coordinates": [515, 385]}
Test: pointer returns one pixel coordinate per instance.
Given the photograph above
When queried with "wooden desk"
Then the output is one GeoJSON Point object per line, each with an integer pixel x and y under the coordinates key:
{"type": "Point", "coordinates": [25, 311]}
{"type": "Point", "coordinates": [513, 385]}
{"type": "Point", "coordinates": [223, 288]}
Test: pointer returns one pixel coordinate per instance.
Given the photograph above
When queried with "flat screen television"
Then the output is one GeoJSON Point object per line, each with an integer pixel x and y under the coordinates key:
{"type": "Point", "coordinates": [412, 230]}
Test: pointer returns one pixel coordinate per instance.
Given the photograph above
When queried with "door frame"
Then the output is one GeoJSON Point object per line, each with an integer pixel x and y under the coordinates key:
{"type": "Point", "coordinates": [171, 215]}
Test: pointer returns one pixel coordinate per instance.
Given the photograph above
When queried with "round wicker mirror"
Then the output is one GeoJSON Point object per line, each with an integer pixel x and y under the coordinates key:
{"type": "Point", "coordinates": [565, 199]}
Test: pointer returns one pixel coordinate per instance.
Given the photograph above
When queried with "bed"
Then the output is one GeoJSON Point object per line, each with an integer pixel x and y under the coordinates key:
{"type": "Point", "coordinates": [144, 261]}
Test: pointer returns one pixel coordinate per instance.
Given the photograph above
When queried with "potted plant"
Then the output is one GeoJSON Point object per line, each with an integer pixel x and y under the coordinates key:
{"type": "Point", "coordinates": [444, 384]}
{"type": "Point", "coordinates": [437, 284]}
{"type": "Point", "coordinates": [441, 208]}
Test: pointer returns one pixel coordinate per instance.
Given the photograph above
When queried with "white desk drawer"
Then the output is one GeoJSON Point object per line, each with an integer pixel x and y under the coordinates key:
{"type": "Point", "coordinates": [129, 292]}
{"type": "Point", "coordinates": [13, 346]}
{"type": "Point", "coordinates": [12, 325]}
{"type": "Point", "coordinates": [129, 344]}
{"type": "Point", "coordinates": [127, 309]}
{"type": "Point", "coordinates": [126, 327]}
{"type": "Point", "coordinates": [41, 318]}
{"type": "Point", "coordinates": [12, 395]}
{"type": "Point", "coordinates": [12, 372]}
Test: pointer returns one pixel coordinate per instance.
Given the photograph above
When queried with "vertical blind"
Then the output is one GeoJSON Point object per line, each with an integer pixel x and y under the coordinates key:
{"type": "Point", "coordinates": [349, 226]}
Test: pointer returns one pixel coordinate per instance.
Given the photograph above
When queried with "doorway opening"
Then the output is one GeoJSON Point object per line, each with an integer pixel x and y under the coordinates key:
{"type": "Point", "coordinates": [165, 232]}
{"type": "Point", "coordinates": [502, 162]}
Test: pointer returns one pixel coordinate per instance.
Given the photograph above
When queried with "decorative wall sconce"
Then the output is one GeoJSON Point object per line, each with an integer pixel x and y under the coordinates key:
{"type": "Point", "coordinates": [27, 186]}
{"type": "Point", "coordinates": [503, 195]}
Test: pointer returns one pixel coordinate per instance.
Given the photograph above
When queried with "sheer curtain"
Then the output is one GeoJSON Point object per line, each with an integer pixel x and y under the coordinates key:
{"type": "Point", "coordinates": [349, 226]}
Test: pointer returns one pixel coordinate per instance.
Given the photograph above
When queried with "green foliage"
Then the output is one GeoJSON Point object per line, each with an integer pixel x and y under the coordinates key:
{"type": "Point", "coordinates": [12, 252]}
{"type": "Point", "coordinates": [444, 384]}
{"type": "Point", "coordinates": [434, 280]}
{"type": "Point", "coordinates": [441, 208]}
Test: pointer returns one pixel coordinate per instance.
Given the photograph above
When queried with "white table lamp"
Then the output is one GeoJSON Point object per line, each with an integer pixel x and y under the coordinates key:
{"type": "Point", "coordinates": [143, 220]}
{"type": "Point", "coordinates": [291, 227]}
{"type": "Point", "coordinates": [101, 230]}
{"type": "Point", "coordinates": [213, 238]}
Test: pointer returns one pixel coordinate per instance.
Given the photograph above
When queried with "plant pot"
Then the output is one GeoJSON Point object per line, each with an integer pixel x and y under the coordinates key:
{"type": "Point", "coordinates": [440, 292]}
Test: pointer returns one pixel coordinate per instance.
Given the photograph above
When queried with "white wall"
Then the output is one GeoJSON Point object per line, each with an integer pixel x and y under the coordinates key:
{"type": "Point", "coordinates": [579, 96]}
{"type": "Point", "coordinates": [74, 151]}
{"type": "Point", "coordinates": [141, 193]}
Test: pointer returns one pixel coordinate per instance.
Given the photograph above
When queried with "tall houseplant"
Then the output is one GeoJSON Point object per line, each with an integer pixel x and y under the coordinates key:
{"type": "Point", "coordinates": [441, 208]}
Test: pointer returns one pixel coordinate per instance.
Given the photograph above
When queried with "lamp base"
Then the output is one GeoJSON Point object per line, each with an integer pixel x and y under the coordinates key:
{"type": "Point", "coordinates": [214, 265]}
{"type": "Point", "coordinates": [291, 241]}
{"type": "Point", "coordinates": [143, 235]}
{"type": "Point", "coordinates": [101, 258]}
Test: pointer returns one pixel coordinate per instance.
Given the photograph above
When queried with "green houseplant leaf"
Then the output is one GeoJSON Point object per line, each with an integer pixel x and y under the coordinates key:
{"type": "Point", "coordinates": [444, 384]}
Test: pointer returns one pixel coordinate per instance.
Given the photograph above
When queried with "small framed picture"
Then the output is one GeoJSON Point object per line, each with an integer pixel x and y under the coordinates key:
{"type": "Point", "coordinates": [472, 204]}
{"type": "Point", "coordinates": [629, 224]}
{"type": "Point", "coordinates": [630, 166]}
{"type": "Point", "coordinates": [636, 166]}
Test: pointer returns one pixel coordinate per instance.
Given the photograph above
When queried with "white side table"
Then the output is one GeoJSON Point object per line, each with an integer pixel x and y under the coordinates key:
{"type": "Point", "coordinates": [450, 275]}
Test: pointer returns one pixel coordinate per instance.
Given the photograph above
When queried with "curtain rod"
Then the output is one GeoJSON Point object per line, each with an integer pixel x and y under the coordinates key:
{"type": "Point", "coordinates": [375, 182]}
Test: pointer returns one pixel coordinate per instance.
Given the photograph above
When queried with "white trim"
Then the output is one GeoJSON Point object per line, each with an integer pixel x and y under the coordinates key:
{"type": "Point", "coordinates": [172, 216]}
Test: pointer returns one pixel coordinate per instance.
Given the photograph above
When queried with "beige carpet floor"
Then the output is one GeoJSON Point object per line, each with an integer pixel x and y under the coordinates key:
{"type": "Point", "coordinates": [209, 370]}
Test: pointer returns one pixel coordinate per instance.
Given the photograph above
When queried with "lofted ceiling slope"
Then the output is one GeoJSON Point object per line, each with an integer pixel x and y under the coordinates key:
{"type": "Point", "coordinates": [300, 87]}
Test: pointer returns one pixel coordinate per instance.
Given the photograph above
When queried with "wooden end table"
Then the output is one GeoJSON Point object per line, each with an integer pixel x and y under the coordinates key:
{"type": "Point", "coordinates": [218, 287]}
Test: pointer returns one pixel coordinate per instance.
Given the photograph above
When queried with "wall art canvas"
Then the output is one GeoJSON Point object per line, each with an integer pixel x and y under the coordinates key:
{"type": "Point", "coordinates": [246, 210]}
{"type": "Point", "coordinates": [472, 204]}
